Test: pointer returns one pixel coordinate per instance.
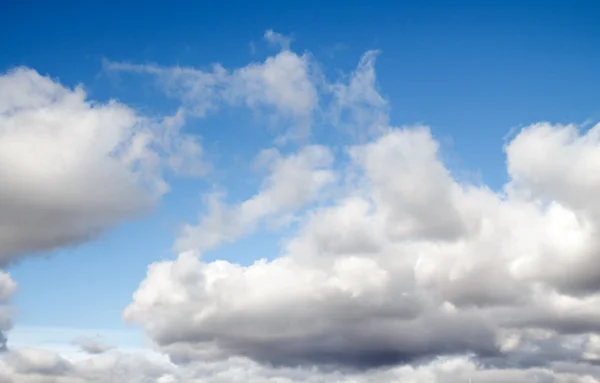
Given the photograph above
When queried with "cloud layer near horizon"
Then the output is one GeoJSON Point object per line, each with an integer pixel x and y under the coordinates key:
{"type": "Point", "coordinates": [39, 366]}
{"type": "Point", "coordinates": [396, 272]}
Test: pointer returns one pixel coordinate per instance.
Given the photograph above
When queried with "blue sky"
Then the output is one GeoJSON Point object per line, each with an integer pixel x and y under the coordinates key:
{"type": "Point", "coordinates": [472, 71]}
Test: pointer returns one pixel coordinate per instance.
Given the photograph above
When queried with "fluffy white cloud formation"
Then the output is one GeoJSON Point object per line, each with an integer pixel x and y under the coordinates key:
{"type": "Point", "coordinates": [406, 264]}
{"type": "Point", "coordinates": [409, 264]}
{"type": "Point", "coordinates": [72, 168]}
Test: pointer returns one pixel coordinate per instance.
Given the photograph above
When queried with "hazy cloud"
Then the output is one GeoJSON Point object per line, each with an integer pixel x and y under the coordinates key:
{"type": "Point", "coordinates": [92, 345]}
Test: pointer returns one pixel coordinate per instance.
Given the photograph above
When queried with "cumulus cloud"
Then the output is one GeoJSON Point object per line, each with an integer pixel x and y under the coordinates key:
{"type": "Point", "coordinates": [72, 168]}
{"type": "Point", "coordinates": [407, 264]}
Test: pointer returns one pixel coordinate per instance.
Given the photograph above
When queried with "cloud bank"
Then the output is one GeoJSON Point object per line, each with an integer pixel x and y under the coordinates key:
{"type": "Point", "coordinates": [407, 265]}
{"type": "Point", "coordinates": [38, 366]}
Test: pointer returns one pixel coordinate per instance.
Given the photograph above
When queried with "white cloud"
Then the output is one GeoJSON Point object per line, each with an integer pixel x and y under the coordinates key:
{"type": "Point", "coordinates": [288, 88]}
{"type": "Point", "coordinates": [557, 163]}
{"type": "Point", "coordinates": [281, 85]}
{"type": "Point", "coordinates": [406, 265]}
{"type": "Point", "coordinates": [72, 168]}
{"type": "Point", "coordinates": [357, 105]}
{"type": "Point", "coordinates": [282, 82]}
{"type": "Point", "coordinates": [409, 264]}
{"type": "Point", "coordinates": [275, 38]}
{"type": "Point", "coordinates": [199, 90]}
{"type": "Point", "coordinates": [294, 182]}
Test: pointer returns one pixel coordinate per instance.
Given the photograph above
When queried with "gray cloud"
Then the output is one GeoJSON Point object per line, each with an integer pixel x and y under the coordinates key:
{"type": "Point", "coordinates": [92, 345]}
{"type": "Point", "coordinates": [37, 366]}
{"type": "Point", "coordinates": [42, 366]}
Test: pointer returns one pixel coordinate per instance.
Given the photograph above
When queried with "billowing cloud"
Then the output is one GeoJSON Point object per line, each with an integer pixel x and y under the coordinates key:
{"type": "Point", "coordinates": [73, 168]}
{"type": "Point", "coordinates": [407, 264]}
{"type": "Point", "coordinates": [410, 264]}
